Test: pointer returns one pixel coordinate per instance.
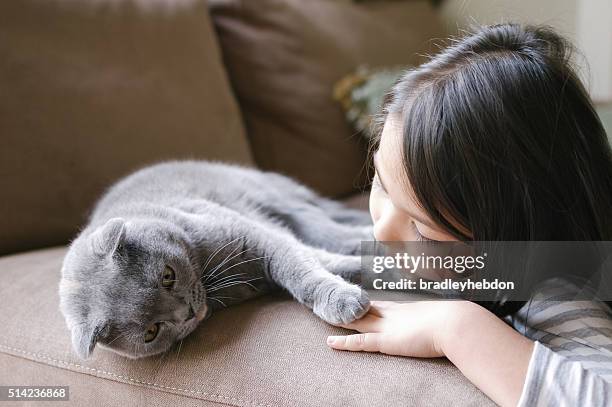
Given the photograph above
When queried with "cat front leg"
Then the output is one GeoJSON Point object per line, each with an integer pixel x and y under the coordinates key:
{"type": "Point", "coordinates": [344, 265]}
{"type": "Point", "coordinates": [331, 297]}
{"type": "Point", "coordinates": [293, 266]}
{"type": "Point", "coordinates": [314, 226]}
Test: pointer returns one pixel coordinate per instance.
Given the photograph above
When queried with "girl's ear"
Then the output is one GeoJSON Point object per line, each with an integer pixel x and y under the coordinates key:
{"type": "Point", "coordinates": [106, 239]}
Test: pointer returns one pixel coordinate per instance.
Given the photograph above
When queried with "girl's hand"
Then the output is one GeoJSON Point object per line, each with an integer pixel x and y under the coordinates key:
{"type": "Point", "coordinates": [490, 353]}
{"type": "Point", "coordinates": [404, 329]}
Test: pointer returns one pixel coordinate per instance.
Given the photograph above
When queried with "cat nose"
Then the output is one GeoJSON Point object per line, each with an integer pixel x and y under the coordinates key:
{"type": "Point", "coordinates": [191, 313]}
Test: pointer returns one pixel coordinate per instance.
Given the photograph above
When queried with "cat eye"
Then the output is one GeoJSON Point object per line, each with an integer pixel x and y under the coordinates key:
{"type": "Point", "coordinates": [168, 278]}
{"type": "Point", "coordinates": [151, 332]}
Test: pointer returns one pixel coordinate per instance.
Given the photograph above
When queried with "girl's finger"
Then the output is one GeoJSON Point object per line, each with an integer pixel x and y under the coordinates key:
{"type": "Point", "coordinates": [377, 312]}
{"type": "Point", "coordinates": [369, 323]}
{"type": "Point", "coordinates": [367, 342]}
{"type": "Point", "coordinates": [379, 307]}
{"type": "Point", "coordinates": [382, 304]}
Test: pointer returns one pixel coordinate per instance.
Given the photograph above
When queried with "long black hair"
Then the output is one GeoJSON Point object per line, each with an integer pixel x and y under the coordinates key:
{"type": "Point", "coordinates": [501, 137]}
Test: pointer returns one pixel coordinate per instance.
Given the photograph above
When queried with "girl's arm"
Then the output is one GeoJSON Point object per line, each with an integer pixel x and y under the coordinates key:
{"type": "Point", "coordinates": [490, 353]}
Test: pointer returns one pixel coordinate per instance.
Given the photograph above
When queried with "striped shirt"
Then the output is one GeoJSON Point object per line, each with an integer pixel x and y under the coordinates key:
{"type": "Point", "coordinates": [571, 364]}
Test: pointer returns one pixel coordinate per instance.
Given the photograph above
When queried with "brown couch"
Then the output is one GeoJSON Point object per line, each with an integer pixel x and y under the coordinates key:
{"type": "Point", "coordinates": [91, 90]}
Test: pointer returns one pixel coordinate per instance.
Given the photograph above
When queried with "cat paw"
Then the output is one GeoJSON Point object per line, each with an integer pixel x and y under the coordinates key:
{"type": "Point", "coordinates": [342, 304]}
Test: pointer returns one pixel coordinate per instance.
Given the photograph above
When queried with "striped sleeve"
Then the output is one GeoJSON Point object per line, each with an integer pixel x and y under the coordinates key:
{"type": "Point", "coordinates": [571, 364]}
{"type": "Point", "coordinates": [555, 380]}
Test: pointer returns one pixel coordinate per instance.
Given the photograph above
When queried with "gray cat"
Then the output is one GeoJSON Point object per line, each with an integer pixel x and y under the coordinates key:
{"type": "Point", "coordinates": [170, 243]}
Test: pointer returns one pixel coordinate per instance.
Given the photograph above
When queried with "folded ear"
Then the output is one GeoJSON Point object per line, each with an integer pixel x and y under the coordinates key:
{"type": "Point", "coordinates": [106, 238]}
{"type": "Point", "coordinates": [85, 337]}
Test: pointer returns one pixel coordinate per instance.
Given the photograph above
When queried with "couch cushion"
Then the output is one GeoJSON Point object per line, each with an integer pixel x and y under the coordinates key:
{"type": "Point", "coordinates": [266, 352]}
{"type": "Point", "coordinates": [284, 57]}
{"type": "Point", "coordinates": [94, 89]}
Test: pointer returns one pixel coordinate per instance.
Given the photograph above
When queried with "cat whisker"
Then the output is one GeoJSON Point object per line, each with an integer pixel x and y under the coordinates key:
{"type": "Point", "coordinates": [242, 262]}
{"type": "Point", "coordinates": [218, 300]}
{"type": "Point", "coordinates": [236, 283]}
{"type": "Point", "coordinates": [225, 260]}
{"type": "Point", "coordinates": [233, 283]}
{"type": "Point", "coordinates": [219, 249]}
{"type": "Point", "coordinates": [224, 279]}
{"type": "Point", "coordinates": [229, 279]}
{"type": "Point", "coordinates": [179, 348]}
{"type": "Point", "coordinates": [212, 273]}
{"type": "Point", "coordinates": [123, 335]}
{"type": "Point", "coordinates": [222, 296]}
{"type": "Point", "coordinates": [223, 285]}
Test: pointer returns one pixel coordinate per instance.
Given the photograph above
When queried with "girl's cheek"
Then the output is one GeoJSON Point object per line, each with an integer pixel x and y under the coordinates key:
{"type": "Point", "coordinates": [387, 225]}
{"type": "Point", "coordinates": [374, 206]}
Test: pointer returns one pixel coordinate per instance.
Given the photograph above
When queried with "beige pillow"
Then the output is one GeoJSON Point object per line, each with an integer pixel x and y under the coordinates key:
{"type": "Point", "coordinates": [284, 57]}
{"type": "Point", "coordinates": [91, 90]}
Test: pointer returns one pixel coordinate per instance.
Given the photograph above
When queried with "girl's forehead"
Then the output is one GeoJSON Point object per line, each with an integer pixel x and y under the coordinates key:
{"type": "Point", "coordinates": [390, 150]}
{"type": "Point", "coordinates": [390, 164]}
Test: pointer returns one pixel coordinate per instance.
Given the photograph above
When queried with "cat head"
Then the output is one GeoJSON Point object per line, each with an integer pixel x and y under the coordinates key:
{"type": "Point", "coordinates": [131, 287]}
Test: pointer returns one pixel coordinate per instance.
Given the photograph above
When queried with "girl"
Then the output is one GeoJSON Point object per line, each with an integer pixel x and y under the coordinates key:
{"type": "Point", "coordinates": [496, 139]}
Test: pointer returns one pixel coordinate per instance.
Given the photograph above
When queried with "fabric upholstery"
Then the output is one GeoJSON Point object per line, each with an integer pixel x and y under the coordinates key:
{"type": "Point", "coordinates": [91, 90]}
{"type": "Point", "coordinates": [266, 352]}
{"type": "Point", "coordinates": [284, 57]}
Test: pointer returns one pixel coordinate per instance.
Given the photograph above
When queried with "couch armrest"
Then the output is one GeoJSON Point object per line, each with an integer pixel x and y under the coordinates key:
{"type": "Point", "coordinates": [266, 352]}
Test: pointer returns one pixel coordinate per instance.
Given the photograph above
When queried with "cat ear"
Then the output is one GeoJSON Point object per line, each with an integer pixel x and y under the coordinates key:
{"type": "Point", "coordinates": [84, 338]}
{"type": "Point", "coordinates": [105, 239]}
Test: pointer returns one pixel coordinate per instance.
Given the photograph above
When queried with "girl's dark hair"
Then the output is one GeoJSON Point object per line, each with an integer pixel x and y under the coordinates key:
{"type": "Point", "coordinates": [501, 137]}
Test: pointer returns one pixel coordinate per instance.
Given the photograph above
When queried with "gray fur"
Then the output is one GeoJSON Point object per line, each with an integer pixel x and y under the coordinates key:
{"type": "Point", "coordinates": [228, 232]}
